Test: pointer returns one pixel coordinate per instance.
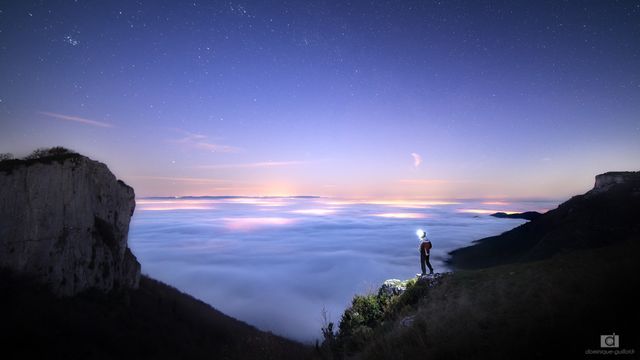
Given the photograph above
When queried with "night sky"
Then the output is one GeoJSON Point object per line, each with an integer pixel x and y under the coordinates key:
{"type": "Point", "coordinates": [477, 99]}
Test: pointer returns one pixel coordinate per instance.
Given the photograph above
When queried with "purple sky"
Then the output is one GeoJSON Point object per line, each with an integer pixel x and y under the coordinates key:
{"type": "Point", "coordinates": [379, 99]}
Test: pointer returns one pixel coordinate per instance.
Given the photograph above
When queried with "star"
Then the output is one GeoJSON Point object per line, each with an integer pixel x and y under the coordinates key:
{"type": "Point", "coordinates": [71, 40]}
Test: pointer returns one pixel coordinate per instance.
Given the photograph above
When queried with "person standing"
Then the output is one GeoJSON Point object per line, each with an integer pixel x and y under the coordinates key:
{"type": "Point", "coordinates": [425, 250]}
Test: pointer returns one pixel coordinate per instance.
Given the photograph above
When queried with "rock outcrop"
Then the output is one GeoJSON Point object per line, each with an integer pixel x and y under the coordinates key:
{"type": "Point", "coordinates": [605, 181]}
{"type": "Point", "coordinates": [64, 220]}
{"type": "Point", "coordinates": [392, 287]}
{"type": "Point", "coordinates": [395, 287]}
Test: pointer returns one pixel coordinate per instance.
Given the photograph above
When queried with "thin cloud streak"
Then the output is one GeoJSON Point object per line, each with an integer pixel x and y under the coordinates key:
{"type": "Point", "coordinates": [183, 179]}
{"type": "Point", "coordinates": [265, 164]}
{"type": "Point", "coordinates": [199, 141]}
{"type": "Point", "coordinates": [424, 181]}
{"type": "Point", "coordinates": [76, 119]}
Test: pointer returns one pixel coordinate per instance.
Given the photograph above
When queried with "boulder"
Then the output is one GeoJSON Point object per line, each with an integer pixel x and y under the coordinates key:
{"type": "Point", "coordinates": [392, 287]}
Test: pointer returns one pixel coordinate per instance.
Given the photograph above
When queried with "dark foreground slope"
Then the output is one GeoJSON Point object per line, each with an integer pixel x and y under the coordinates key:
{"type": "Point", "coordinates": [155, 321]}
{"type": "Point", "coordinates": [551, 309]}
{"type": "Point", "coordinates": [605, 215]}
{"type": "Point", "coordinates": [547, 289]}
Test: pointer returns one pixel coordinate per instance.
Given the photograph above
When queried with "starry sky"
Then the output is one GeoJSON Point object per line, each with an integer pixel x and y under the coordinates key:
{"type": "Point", "coordinates": [389, 99]}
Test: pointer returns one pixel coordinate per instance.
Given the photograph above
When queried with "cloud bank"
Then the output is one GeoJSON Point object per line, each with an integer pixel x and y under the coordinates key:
{"type": "Point", "coordinates": [277, 262]}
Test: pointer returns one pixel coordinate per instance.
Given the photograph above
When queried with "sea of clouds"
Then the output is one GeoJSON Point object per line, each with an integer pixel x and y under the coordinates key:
{"type": "Point", "coordinates": [276, 263]}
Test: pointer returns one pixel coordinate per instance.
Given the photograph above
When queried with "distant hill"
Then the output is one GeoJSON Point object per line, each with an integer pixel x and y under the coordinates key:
{"type": "Point", "coordinates": [608, 213]}
{"type": "Point", "coordinates": [528, 215]}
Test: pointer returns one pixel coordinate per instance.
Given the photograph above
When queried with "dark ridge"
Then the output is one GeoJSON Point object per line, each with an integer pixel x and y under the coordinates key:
{"type": "Point", "coordinates": [528, 215]}
{"type": "Point", "coordinates": [155, 321]}
{"type": "Point", "coordinates": [605, 215]}
{"type": "Point", "coordinates": [566, 303]}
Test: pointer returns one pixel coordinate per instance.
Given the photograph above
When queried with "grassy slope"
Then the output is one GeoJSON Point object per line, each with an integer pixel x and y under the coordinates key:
{"type": "Point", "coordinates": [155, 321]}
{"type": "Point", "coordinates": [585, 221]}
{"type": "Point", "coordinates": [558, 306]}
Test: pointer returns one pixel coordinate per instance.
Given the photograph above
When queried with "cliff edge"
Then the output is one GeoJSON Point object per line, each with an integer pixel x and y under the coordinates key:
{"type": "Point", "coordinates": [64, 220]}
{"type": "Point", "coordinates": [610, 179]}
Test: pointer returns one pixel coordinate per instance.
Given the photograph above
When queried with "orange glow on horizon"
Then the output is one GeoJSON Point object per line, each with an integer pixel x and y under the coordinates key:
{"type": "Point", "coordinates": [398, 203]}
{"type": "Point", "coordinates": [176, 207]}
{"type": "Point", "coordinates": [402, 215]}
{"type": "Point", "coordinates": [497, 203]}
{"type": "Point", "coordinates": [259, 201]}
{"type": "Point", "coordinates": [168, 205]}
{"type": "Point", "coordinates": [486, 211]}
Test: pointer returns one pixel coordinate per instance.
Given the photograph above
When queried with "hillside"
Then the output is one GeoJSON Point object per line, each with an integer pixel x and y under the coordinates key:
{"type": "Point", "coordinates": [154, 321]}
{"type": "Point", "coordinates": [554, 308]}
{"type": "Point", "coordinates": [546, 289]}
{"type": "Point", "coordinates": [608, 213]}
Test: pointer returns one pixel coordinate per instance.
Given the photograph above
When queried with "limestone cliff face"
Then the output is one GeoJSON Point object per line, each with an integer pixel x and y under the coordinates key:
{"type": "Point", "coordinates": [605, 181]}
{"type": "Point", "coordinates": [66, 222]}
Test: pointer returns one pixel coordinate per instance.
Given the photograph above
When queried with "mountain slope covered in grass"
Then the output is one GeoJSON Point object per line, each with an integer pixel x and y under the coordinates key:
{"type": "Point", "coordinates": [547, 289]}
{"type": "Point", "coordinates": [155, 321]}
{"type": "Point", "coordinates": [552, 308]}
{"type": "Point", "coordinates": [609, 213]}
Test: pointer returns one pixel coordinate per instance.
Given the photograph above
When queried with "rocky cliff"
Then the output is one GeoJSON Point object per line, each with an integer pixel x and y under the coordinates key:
{"type": "Point", "coordinates": [64, 220]}
{"type": "Point", "coordinates": [607, 180]}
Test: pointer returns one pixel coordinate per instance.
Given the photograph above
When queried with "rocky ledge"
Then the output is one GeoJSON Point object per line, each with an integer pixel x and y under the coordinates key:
{"type": "Point", "coordinates": [64, 220]}
{"type": "Point", "coordinates": [607, 180]}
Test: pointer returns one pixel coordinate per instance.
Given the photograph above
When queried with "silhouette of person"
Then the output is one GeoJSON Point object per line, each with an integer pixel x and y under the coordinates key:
{"type": "Point", "coordinates": [425, 249]}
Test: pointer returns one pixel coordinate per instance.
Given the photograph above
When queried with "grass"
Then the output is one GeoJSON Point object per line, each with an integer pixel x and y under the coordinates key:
{"type": "Point", "coordinates": [39, 156]}
{"type": "Point", "coordinates": [594, 219]}
{"type": "Point", "coordinates": [549, 308]}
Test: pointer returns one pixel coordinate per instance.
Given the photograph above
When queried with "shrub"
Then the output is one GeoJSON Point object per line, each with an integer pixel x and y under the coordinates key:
{"type": "Point", "coordinates": [6, 156]}
{"type": "Point", "coordinates": [358, 322]}
{"type": "Point", "coordinates": [48, 152]}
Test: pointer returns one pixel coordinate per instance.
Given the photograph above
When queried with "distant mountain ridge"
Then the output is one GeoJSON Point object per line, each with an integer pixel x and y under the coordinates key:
{"type": "Point", "coordinates": [608, 213]}
{"type": "Point", "coordinates": [527, 215]}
